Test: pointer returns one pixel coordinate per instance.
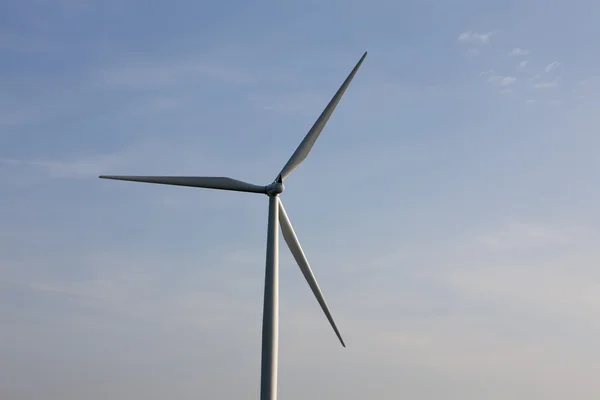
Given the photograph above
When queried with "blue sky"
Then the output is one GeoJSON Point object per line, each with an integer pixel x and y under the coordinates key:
{"type": "Point", "coordinates": [448, 209]}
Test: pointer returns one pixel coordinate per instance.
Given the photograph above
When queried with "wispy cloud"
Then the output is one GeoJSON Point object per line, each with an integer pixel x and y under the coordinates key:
{"type": "Point", "coordinates": [475, 37]}
{"type": "Point", "coordinates": [149, 74]}
{"type": "Point", "coordinates": [592, 81]}
{"type": "Point", "coordinates": [497, 78]}
{"type": "Point", "coordinates": [517, 234]}
{"type": "Point", "coordinates": [502, 80]}
{"type": "Point", "coordinates": [552, 66]}
{"type": "Point", "coordinates": [540, 285]}
{"type": "Point", "coordinates": [163, 154]}
{"type": "Point", "coordinates": [548, 278]}
{"type": "Point", "coordinates": [517, 51]}
{"type": "Point", "coordinates": [113, 280]}
{"type": "Point", "coordinates": [79, 168]}
{"type": "Point", "coordinates": [546, 85]}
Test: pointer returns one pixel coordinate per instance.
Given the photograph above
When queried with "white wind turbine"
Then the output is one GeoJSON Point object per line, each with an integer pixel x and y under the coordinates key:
{"type": "Point", "coordinates": [277, 217]}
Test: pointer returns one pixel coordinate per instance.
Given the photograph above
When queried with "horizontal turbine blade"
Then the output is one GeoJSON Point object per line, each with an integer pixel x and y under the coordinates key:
{"type": "Point", "coordinates": [312, 135]}
{"type": "Point", "coordinates": [208, 182]}
{"type": "Point", "coordinates": [292, 241]}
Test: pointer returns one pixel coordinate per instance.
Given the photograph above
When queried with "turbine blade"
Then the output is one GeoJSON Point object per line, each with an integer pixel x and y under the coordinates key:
{"type": "Point", "coordinates": [208, 182]}
{"type": "Point", "coordinates": [294, 245]}
{"type": "Point", "coordinates": [312, 135]}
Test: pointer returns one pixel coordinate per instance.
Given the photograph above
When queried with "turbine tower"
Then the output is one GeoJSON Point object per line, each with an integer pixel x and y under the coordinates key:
{"type": "Point", "coordinates": [277, 218]}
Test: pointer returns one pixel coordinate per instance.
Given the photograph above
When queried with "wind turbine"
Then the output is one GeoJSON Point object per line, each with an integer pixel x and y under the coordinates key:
{"type": "Point", "coordinates": [277, 218]}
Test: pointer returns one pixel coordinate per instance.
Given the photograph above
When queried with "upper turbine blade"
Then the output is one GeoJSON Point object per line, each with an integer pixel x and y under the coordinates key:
{"type": "Point", "coordinates": [312, 135]}
{"type": "Point", "coordinates": [292, 241]}
{"type": "Point", "coordinates": [208, 182]}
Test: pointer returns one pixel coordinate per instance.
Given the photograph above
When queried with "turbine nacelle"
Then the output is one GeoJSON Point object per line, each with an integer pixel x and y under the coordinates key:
{"type": "Point", "coordinates": [274, 189]}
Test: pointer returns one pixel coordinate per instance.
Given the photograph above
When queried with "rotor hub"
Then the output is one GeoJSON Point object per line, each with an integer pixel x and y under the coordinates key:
{"type": "Point", "coordinates": [274, 189]}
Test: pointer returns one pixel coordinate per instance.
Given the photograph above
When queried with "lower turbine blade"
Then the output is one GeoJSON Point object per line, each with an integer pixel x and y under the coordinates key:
{"type": "Point", "coordinates": [292, 241]}
{"type": "Point", "coordinates": [207, 182]}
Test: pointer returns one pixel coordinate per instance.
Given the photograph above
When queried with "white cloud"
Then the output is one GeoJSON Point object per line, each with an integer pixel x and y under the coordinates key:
{"type": "Point", "coordinates": [518, 52]}
{"type": "Point", "coordinates": [81, 168]}
{"type": "Point", "coordinates": [502, 80]}
{"type": "Point", "coordinates": [546, 85]}
{"type": "Point", "coordinates": [523, 64]}
{"type": "Point", "coordinates": [508, 80]}
{"type": "Point", "coordinates": [143, 75]}
{"type": "Point", "coordinates": [474, 37]}
{"type": "Point", "coordinates": [164, 155]}
{"type": "Point", "coordinates": [538, 266]}
{"type": "Point", "coordinates": [552, 66]}
{"type": "Point", "coordinates": [589, 82]}
{"type": "Point", "coordinates": [559, 282]}
{"type": "Point", "coordinates": [516, 234]}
